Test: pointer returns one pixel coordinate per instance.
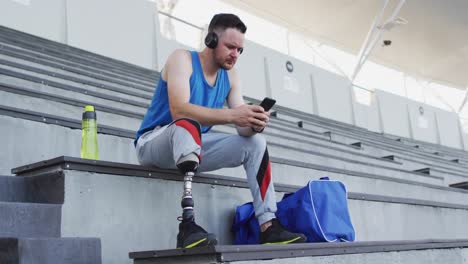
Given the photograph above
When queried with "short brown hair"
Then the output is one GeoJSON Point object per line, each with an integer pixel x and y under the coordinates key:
{"type": "Point", "coordinates": [222, 21]}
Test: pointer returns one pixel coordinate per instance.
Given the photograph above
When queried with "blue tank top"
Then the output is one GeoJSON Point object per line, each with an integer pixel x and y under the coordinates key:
{"type": "Point", "coordinates": [201, 93]}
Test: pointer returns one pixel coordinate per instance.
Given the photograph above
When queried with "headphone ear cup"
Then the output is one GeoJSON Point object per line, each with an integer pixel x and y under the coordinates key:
{"type": "Point", "coordinates": [211, 40]}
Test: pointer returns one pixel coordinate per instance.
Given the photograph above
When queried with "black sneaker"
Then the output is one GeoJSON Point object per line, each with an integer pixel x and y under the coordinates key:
{"type": "Point", "coordinates": [192, 235]}
{"type": "Point", "coordinates": [277, 234]}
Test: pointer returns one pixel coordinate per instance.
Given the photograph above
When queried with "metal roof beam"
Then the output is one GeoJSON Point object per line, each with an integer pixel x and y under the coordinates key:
{"type": "Point", "coordinates": [374, 35]}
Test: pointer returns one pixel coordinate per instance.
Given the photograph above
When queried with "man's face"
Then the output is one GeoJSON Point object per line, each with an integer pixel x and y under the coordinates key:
{"type": "Point", "coordinates": [230, 43]}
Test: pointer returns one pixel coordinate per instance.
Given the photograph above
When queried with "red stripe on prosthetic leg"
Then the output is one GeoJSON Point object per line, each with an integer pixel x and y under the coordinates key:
{"type": "Point", "coordinates": [266, 182]}
{"type": "Point", "coordinates": [193, 129]}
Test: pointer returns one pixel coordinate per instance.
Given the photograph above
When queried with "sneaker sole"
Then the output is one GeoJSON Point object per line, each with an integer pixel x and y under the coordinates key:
{"type": "Point", "coordinates": [196, 243]}
{"type": "Point", "coordinates": [294, 240]}
{"type": "Point", "coordinates": [202, 242]}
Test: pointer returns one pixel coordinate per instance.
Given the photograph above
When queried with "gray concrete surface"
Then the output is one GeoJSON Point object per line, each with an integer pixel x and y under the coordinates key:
{"type": "Point", "coordinates": [37, 189]}
{"type": "Point", "coordinates": [288, 174]}
{"type": "Point", "coordinates": [65, 110]}
{"type": "Point", "coordinates": [413, 160]}
{"type": "Point", "coordinates": [122, 151]}
{"type": "Point", "coordinates": [61, 73]}
{"type": "Point", "coordinates": [50, 251]}
{"type": "Point", "coordinates": [78, 56]}
{"type": "Point", "coordinates": [44, 141]}
{"type": "Point", "coordinates": [428, 256]}
{"type": "Point", "coordinates": [38, 85]}
{"type": "Point", "coordinates": [441, 173]}
{"type": "Point", "coordinates": [378, 146]}
{"type": "Point", "coordinates": [29, 220]}
{"type": "Point", "coordinates": [317, 158]}
{"type": "Point", "coordinates": [113, 148]}
{"type": "Point", "coordinates": [137, 214]}
{"type": "Point", "coordinates": [340, 159]}
{"type": "Point", "coordinates": [32, 55]}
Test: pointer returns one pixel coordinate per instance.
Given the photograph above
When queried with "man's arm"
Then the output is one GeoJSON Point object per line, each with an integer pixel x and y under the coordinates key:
{"type": "Point", "coordinates": [235, 101]}
{"type": "Point", "coordinates": [177, 72]}
{"type": "Point", "coordinates": [178, 69]}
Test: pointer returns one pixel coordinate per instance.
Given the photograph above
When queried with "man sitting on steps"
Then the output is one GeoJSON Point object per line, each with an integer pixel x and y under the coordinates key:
{"type": "Point", "coordinates": [188, 101]}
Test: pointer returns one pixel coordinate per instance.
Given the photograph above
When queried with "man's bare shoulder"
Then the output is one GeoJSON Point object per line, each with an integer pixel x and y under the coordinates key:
{"type": "Point", "coordinates": [179, 56]}
{"type": "Point", "coordinates": [178, 61]}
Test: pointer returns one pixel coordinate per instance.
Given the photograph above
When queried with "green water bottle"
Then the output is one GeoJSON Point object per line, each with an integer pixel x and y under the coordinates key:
{"type": "Point", "coordinates": [89, 145]}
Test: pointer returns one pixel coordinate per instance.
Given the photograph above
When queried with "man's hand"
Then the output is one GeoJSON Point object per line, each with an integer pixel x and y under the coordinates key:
{"type": "Point", "coordinates": [250, 116]}
{"type": "Point", "coordinates": [260, 129]}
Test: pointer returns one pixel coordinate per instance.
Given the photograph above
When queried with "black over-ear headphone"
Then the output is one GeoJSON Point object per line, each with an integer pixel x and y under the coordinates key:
{"type": "Point", "coordinates": [211, 39]}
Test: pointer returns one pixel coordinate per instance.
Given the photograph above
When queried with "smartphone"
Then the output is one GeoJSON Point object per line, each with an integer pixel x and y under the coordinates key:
{"type": "Point", "coordinates": [267, 103]}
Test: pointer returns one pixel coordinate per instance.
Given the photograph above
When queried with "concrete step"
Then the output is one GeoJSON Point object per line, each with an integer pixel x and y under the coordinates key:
{"type": "Point", "coordinates": [38, 189]}
{"type": "Point", "coordinates": [279, 137]}
{"type": "Point", "coordinates": [77, 56]}
{"type": "Point", "coordinates": [354, 128]}
{"type": "Point", "coordinates": [276, 149]}
{"type": "Point", "coordinates": [402, 160]}
{"type": "Point", "coordinates": [340, 162]}
{"type": "Point", "coordinates": [52, 104]}
{"type": "Point", "coordinates": [335, 155]}
{"type": "Point", "coordinates": [50, 251]}
{"type": "Point", "coordinates": [73, 69]}
{"type": "Point", "coordinates": [85, 69]}
{"type": "Point", "coordinates": [284, 170]}
{"type": "Point", "coordinates": [89, 64]}
{"type": "Point", "coordinates": [56, 49]}
{"type": "Point", "coordinates": [61, 76]}
{"type": "Point", "coordinates": [343, 135]}
{"type": "Point", "coordinates": [135, 208]}
{"type": "Point", "coordinates": [403, 252]}
{"type": "Point", "coordinates": [440, 169]}
{"type": "Point", "coordinates": [350, 136]}
{"type": "Point", "coordinates": [375, 147]}
{"type": "Point", "coordinates": [297, 173]}
{"type": "Point", "coordinates": [348, 125]}
{"type": "Point", "coordinates": [52, 139]}
{"type": "Point", "coordinates": [441, 149]}
{"type": "Point", "coordinates": [117, 119]}
{"type": "Point", "coordinates": [29, 219]}
{"type": "Point", "coordinates": [317, 122]}
{"type": "Point", "coordinates": [26, 79]}
{"type": "Point", "coordinates": [415, 162]}
{"type": "Point", "coordinates": [438, 173]}
{"type": "Point", "coordinates": [319, 153]}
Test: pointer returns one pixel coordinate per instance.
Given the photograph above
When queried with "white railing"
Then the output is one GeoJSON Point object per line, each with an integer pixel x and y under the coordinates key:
{"type": "Point", "coordinates": [180, 20]}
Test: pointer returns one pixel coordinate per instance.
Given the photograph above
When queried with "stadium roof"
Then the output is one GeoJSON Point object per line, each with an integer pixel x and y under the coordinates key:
{"type": "Point", "coordinates": [432, 45]}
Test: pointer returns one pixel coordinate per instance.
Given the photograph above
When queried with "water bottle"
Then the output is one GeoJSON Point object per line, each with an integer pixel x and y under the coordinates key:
{"type": "Point", "coordinates": [89, 145]}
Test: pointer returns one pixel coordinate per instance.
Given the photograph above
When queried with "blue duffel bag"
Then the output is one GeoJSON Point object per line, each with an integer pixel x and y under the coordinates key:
{"type": "Point", "coordinates": [246, 228]}
{"type": "Point", "coordinates": [319, 210]}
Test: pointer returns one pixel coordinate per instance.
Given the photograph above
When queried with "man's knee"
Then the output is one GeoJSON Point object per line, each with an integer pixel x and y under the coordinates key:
{"type": "Point", "coordinates": [256, 142]}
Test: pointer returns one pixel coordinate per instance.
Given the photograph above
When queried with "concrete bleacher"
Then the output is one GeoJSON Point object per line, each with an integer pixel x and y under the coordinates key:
{"type": "Point", "coordinates": [30, 226]}
{"type": "Point", "coordinates": [43, 88]}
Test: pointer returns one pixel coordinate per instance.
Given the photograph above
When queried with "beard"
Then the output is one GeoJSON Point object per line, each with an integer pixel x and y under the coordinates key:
{"type": "Point", "coordinates": [225, 64]}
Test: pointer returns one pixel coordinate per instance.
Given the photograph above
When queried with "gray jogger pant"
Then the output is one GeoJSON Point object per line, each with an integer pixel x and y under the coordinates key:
{"type": "Point", "coordinates": [164, 146]}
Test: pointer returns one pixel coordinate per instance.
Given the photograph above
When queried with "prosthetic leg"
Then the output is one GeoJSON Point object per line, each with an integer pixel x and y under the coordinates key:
{"type": "Point", "coordinates": [188, 166]}
{"type": "Point", "coordinates": [190, 234]}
